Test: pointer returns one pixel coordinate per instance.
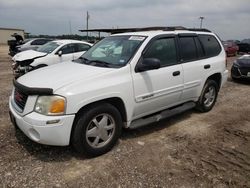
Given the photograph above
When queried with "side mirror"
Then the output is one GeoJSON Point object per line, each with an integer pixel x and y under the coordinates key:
{"type": "Point", "coordinates": [59, 53]}
{"type": "Point", "coordinates": [148, 64]}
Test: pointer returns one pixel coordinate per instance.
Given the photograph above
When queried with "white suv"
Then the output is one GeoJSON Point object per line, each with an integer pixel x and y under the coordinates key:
{"type": "Point", "coordinates": [126, 80]}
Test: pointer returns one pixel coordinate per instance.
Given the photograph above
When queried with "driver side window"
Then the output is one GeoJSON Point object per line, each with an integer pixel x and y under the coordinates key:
{"type": "Point", "coordinates": [163, 49]}
{"type": "Point", "coordinates": [67, 49]}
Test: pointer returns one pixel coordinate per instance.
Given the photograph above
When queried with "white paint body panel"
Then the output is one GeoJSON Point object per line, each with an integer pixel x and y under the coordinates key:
{"type": "Point", "coordinates": [28, 54]}
{"type": "Point", "coordinates": [142, 93]}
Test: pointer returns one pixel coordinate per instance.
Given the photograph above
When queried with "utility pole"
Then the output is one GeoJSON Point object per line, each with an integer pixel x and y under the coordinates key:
{"type": "Point", "coordinates": [201, 18]}
{"type": "Point", "coordinates": [70, 29]}
{"type": "Point", "coordinates": [87, 25]}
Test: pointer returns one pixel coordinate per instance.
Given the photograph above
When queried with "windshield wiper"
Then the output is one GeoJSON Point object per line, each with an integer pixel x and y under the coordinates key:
{"type": "Point", "coordinates": [98, 63]}
{"type": "Point", "coordinates": [81, 60]}
{"type": "Point", "coordinates": [95, 62]}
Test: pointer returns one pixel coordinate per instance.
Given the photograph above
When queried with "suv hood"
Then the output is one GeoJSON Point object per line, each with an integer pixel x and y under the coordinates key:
{"type": "Point", "coordinates": [27, 55]}
{"type": "Point", "coordinates": [62, 74]}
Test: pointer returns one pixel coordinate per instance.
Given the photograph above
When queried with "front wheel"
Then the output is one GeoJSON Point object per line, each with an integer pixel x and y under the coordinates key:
{"type": "Point", "coordinates": [97, 129]}
{"type": "Point", "coordinates": [208, 96]}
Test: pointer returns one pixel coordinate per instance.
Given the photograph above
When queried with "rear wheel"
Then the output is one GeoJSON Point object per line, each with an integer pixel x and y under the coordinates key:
{"type": "Point", "coordinates": [97, 129]}
{"type": "Point", "coordinates": [208, 96]}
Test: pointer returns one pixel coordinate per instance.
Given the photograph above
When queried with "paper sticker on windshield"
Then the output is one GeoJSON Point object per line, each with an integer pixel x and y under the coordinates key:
{"type": "Point", "coordinates": [139, 38]}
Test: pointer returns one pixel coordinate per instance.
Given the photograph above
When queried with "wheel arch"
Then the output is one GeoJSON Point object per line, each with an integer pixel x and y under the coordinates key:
{"type": "Point", "coordinates": [115, 101]}
{"type": "Point", "coordinates": [217, 78]}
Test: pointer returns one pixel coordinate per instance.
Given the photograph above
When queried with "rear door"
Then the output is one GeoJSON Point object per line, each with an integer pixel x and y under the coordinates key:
{"type": "Point", "coordinates": [198, 57]}
{"type": "Point", "coordinates": [158, 89]}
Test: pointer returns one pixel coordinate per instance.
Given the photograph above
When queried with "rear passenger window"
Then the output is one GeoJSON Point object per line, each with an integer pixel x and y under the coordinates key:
{"type": "Point", "coordinates": [82, 47]}
{"type": "Point", "coordinates": [210, 44]}
{"type": "Point", "coordinates": [188, 49]}
{"type": "Point", "coordinates": [200, 50]}
{"type": "Point", "coordinates": [164, 50]}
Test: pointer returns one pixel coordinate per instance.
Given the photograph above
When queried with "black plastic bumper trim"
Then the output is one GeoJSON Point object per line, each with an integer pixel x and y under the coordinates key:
{"type": "Point", "coordinates": [33, 90]}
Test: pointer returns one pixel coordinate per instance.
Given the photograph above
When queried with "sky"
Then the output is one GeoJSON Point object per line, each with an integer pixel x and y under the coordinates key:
{"type": "Point", "coordinates": [227, 18]}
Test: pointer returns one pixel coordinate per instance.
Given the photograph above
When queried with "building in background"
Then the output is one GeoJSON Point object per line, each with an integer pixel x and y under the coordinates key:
{"type": "Point", "coordinates": [5, 34]}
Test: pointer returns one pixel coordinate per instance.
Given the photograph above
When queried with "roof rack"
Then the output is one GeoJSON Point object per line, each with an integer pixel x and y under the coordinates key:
{"type": "Point", "coordinates": [199, 29]}
{"type": "Point", "coordinates": [124, 30]}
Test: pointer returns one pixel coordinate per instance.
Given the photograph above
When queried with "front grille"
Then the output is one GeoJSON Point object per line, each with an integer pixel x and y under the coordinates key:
{"type": "Point", "coordinates": [20, 98]}
{"type": "Point", "coordinates": [244, 70]}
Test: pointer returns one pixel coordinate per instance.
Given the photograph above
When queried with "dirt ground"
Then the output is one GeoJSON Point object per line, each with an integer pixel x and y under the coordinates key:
{"type": "Point", "coordinates": [188, 150]}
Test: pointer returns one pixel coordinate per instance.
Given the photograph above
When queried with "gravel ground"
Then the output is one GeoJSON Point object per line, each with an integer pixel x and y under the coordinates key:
{"type": "Point", "coordinates": [188, 150]}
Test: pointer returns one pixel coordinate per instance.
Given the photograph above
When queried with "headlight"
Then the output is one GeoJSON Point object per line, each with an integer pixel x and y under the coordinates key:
{"type": "Point", "coordinates": [50, 105]}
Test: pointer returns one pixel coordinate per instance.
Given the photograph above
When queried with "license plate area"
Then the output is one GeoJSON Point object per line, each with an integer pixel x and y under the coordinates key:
{"type": "Point", "coordinates": [248, 74]}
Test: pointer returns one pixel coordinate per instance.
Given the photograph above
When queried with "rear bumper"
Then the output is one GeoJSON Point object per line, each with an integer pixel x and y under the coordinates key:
{"type": "Point", "coordinates": [224, 77]}
{"type": "Point", "coordinates": [36, 127]}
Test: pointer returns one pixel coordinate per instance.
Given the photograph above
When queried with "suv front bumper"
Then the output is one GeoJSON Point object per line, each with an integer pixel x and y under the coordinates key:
{"type": "Point", "coordinates": [36, 127]}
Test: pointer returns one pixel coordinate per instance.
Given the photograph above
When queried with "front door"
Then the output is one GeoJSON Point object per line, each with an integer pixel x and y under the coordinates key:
{"type": "Point", "coordinates": [67, 53]}
{"type": "Point", "coordinates": [158, 89]}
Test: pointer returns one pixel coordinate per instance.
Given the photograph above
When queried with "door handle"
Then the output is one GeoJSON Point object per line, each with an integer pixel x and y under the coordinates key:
{"type": "Point", "coordinates": [207, 66]}
{"type": "Point", "coordinates": [176, 73]}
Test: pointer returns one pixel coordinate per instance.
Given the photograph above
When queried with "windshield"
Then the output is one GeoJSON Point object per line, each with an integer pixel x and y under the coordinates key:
{"type": "Point", "coordinates": [48, 47]}
{"type": "Point", "coordinates": [113, 51]}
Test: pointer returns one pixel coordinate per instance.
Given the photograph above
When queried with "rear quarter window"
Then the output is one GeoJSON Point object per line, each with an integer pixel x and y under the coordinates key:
{"type": "Point", "coordinates": [210, 44]}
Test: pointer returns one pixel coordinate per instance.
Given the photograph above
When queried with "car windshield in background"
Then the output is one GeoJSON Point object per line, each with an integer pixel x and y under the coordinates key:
{"type": "Point", "coordinates": [26, 40]}
{"type": "Point", "coordinates": [48, 47]}
{"type": "Point", "coordinates": [114, 51]}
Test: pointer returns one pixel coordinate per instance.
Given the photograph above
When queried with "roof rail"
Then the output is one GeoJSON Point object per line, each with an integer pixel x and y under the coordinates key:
{"type": "Point", "coordinates": [124, 30]}
{"type": "Point", "coordinates": [199, 29]}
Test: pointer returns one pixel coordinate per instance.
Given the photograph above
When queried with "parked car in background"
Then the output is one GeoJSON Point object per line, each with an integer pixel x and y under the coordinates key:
{"type": "Point", "coordinates": [231, 48]}
{"type": "Point", "coordinates": [244, 46]}
{"type": "Point", "coordinates": [51, 53]}
{"type": "Point", "coordinates": [234, 41]}
{"type": "Point", "coordinates": [14, 43]}
{"type": "Point", "coordinates": [241, 68]}
{"type": "Point", "coordinates": [126, 80]}
{"type": "Point", "coordinates": [32, 44]}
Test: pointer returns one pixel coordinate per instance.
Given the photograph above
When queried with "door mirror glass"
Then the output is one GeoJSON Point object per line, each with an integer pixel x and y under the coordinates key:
{"type": "Point", "coordinates": [148, 64]}
{"type": "Point", "coordinates": [59, 53]}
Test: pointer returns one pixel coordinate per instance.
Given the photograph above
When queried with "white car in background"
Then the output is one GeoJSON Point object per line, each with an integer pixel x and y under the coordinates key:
{"type": "Point", "coordinates": [32, 44]}
{"type": "Point", "coordinates": [51, 53]}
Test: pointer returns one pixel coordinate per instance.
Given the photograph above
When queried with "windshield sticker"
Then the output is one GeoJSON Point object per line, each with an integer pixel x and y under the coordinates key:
{"type": "Point", "coordinates": [139, 38]}
{"type": "Point", "coordinates": [122, 61]}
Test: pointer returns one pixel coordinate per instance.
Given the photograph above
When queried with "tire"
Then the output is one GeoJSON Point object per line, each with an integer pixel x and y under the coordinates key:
{"type": "Point", "coordinates": [208, 96]}
{"type": "Point", "coordinates": [96, 129]}
{"type": "Point", "coordinates": [234, 79]}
